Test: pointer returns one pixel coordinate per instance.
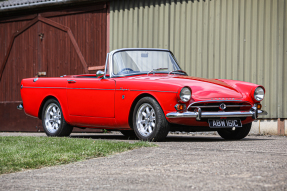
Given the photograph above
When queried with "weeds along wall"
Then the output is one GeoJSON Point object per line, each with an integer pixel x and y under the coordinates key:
{"type": "Point", "coordinates": [230, 39]}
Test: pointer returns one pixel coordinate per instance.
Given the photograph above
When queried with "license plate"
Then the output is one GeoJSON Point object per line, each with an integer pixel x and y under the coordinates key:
{"type": "Point", "coordinates": [221, 123]}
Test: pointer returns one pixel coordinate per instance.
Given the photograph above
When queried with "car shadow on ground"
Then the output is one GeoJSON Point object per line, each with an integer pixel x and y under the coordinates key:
{"type": "Point", "coordinates": [104, 137]}
{"type": "Point", "coordinates": [205, 139]}
{"type": "Point", "coordinates": [169, 138]}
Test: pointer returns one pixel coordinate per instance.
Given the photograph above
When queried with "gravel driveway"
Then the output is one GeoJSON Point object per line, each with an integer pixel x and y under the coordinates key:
{"type": "Point", "coordinates": [183, 162]}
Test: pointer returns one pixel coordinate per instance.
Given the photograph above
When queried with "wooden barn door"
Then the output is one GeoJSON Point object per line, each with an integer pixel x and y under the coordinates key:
{"type": "Point", "coordinates": [47, 44]}
{"type": "Point", "coordinates": [20, 59]}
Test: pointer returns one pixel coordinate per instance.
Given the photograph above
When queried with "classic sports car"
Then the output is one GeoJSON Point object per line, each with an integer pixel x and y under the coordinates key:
{"type": "Point", "coordinates": [143, 92]}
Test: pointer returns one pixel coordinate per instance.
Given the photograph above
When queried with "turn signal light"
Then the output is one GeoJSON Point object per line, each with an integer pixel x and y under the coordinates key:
{"type": "Point", "coordinates": [259, 106]}
{"type": "Point", "coordinates": [180, 107]}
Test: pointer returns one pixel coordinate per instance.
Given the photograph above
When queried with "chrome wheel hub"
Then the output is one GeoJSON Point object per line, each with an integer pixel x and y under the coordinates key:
{"type": "Point", "coordinates": [52, 118]}
{"type": "Point", "coordinates": [145, 119]}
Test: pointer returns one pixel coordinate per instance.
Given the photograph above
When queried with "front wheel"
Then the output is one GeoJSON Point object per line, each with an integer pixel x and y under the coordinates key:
{"type": "Point", "coordinates": [237, 134]}
{"type": "Point", "coordinates": [149, 121]}
{"type": "Point", "coordinates": [53, 121]}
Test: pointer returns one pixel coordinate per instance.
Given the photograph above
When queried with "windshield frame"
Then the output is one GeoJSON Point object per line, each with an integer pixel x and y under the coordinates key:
{"type": "Point", "coordinates": [110, 62]}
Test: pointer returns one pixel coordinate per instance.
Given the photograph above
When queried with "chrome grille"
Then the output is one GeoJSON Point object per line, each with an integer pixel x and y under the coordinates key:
{"type": "Point", "coordinates": [215, 106]}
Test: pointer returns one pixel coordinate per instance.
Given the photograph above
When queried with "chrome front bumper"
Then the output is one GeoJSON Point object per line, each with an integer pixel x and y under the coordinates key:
{"type": "Point", "coordinates": [232, 114]}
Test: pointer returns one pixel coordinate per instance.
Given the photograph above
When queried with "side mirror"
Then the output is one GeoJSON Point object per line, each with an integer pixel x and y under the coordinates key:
{"type": "Point", "coordinates": [100, 73]}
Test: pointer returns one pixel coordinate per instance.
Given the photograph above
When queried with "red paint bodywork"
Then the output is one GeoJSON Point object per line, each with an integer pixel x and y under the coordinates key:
{"type": "Point", "coordinates": [108, 103]}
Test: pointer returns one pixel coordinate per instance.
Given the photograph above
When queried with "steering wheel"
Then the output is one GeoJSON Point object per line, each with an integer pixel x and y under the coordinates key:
{"type": "Point", "coordinates": [125, 69]}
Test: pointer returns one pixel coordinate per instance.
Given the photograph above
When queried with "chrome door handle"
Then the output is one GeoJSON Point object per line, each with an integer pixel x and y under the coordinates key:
{"type": "Point", "coordinates": [71, 81]}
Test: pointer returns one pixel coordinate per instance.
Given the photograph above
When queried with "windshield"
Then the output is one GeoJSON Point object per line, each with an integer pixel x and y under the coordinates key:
{"type": "Point", "coordinates": [141, 61]}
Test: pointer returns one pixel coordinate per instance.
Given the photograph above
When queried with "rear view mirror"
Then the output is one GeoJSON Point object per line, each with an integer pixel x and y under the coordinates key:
{"type": "Point", "coordinates": [100, 73]}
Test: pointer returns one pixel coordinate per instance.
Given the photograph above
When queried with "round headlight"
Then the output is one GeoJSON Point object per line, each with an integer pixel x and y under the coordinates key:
{"type": "Point", "coordinates": [185, 94]}
{"type": "Point", "coordinates": [259, 94]}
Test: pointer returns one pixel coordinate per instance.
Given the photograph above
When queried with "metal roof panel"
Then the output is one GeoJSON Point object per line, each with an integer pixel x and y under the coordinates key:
{"type": "Point", "coordinates": [20, 4]}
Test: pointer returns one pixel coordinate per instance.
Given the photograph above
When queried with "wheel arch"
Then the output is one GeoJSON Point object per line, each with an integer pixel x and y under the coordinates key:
{"type": "Point", "coordinates": [43, 103]}
{"type": "Point", "coordinates": [134, 105]}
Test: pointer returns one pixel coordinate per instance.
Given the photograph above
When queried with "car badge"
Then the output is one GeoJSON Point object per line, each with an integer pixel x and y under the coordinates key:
{"type": "Point", "coordinates": [222, 98]}
{"type": "Point", "coordinates": [222, 106]}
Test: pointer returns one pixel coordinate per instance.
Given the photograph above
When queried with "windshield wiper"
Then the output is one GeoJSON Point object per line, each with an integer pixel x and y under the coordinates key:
{"type": "Point", "coordinates": [157, 69]}
{"type": "Point", "coordinates": [177, 71]}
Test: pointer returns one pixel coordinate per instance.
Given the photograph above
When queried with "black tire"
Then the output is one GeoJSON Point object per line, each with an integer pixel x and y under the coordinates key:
{"type": "Point", "coordinates": [53, 120]}
{"type": "Point", "coordinates": [237, 134]}
{"type": "Point", "coordinates": [155, 123]}
{"type": "Point", "coordinates": [129, 133]}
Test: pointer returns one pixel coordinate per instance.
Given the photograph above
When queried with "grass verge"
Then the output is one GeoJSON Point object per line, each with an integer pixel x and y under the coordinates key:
{"type": "Point", "coordinates": [18, 153]}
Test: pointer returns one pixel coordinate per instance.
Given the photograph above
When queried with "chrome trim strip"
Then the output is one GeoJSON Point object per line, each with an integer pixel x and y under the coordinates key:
{"type": "Point", "coordinates": [101, 89]}
{"type": "Point", "coordinates": [140, 49]}
{"type": "Point", "coordinates": [69, 88]}
{"type": "Point", "coordinates": [48, 87]}
{"type": "Point", "coordinates": [197, 115]}
{"type": "Point", "coordinates": [87, 89]}
{"type": "Point", "coordinates": [154, 91]}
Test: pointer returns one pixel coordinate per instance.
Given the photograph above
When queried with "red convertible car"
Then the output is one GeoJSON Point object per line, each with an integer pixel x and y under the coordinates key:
{"type": "Point", "coordinates": [143, 92]}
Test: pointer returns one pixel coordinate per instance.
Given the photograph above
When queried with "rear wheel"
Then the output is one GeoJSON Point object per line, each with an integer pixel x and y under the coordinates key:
{"type": "Point", "coordinates": [237, 134]}
{"type": "Point", "coordinates": [149, 122]}
{"type": "Point", "coordinates": [53, 121]}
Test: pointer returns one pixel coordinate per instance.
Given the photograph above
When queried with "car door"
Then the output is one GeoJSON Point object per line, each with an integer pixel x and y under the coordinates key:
{"type": "Point", "coordinates": [91, 97]}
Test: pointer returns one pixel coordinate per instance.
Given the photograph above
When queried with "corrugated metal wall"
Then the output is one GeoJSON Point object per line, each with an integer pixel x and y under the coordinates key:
{"type": "Point", "coordinates": [229, 39]}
